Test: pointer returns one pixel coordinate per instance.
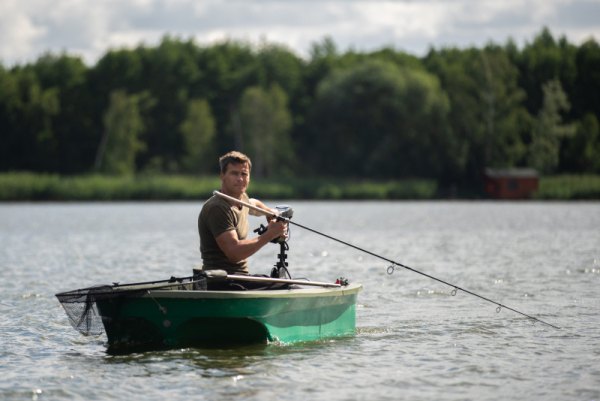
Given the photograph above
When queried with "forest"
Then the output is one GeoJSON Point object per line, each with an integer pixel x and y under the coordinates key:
{"type": "Point", "coordinates": [175, 107]}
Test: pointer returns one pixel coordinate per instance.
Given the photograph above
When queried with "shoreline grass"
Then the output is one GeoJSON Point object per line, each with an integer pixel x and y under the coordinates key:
{"type": "Point", "coordinates": [569, 187]}
{"type": "Point", "coordinates": [25, 186]}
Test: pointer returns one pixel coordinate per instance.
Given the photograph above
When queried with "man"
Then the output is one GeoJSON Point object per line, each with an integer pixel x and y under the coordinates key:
{"type": "Point", "coordinates": [223, 225]}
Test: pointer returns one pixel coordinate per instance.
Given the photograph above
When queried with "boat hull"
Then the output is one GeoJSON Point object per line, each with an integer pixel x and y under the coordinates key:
{"type": "Point", "coordinates": [182, 318]}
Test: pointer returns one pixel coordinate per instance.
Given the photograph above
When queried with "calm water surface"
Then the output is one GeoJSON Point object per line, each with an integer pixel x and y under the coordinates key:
{"type": "Point", "coordinates": [414, 341]}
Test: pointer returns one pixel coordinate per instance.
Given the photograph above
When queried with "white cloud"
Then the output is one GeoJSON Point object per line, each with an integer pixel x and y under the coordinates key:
{"type": "Point", "coordinates": [29, 28]}
{"type": "Point", "coordinates": [17, 31]}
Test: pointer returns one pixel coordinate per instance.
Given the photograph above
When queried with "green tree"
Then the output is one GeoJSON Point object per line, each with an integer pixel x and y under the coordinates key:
{"type": "Point", "coordinates": [549, 129]}
{"type": "Point", "coordinates": [586, 96]}
{"type": "Point", "coordinates": [26, 112]}
{"type": "Point", "coordinates": [379, 110]}
{"type": "Point", "coordinates": [119, 70]}
{"type": "Point", "coordinates": [266, 123]}
{"type": "Point", "coordinates": [122, 127]}
{"type": "Point", "coordinates": [542, 60]}
{"type": "Point", "coordinates": [503, 115]}
{"type": "Point", "coordinates": [487, 116]}
{"type": "Point", "coordinates": [227, 69]}
{"type": "Point", "coordinates": [9, 109]}
{"type": "Point", "coordinates": [73, 127]}
{"type": "Point", "coordinates": [170, 73]}
{"type": "Point", "coordinates": [198, 130]}
{"type": "Point", "coordinates": [582, 151]}
{"type": "Point", "coordinates": [172, 76]}
{"type": "Point", "coordinates": [276, 64]}
{"type": "Point", "coordinates": [379, 120]}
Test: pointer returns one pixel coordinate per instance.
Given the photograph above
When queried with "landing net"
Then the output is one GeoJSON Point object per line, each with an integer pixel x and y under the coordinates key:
{"type": "Point", "coordinates": [80, 305]}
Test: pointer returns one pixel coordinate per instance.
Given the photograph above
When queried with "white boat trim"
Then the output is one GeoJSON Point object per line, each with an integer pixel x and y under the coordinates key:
{"type": "Point", "coordinates": [291, 293]}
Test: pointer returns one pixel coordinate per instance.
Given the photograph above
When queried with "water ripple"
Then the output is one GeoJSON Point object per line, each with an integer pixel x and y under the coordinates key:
{"type": "Point", "coordinates": [414, 340]}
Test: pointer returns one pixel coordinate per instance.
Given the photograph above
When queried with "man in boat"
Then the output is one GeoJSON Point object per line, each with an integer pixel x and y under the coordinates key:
{"type": "Point", "coordinates": [223, 225]}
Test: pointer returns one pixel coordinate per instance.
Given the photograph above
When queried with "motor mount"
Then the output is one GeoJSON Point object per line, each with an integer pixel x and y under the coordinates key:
{"type": "Point", "coordinates": [280, 270]}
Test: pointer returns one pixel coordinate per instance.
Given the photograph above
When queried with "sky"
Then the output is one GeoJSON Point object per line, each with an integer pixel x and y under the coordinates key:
{"type": "Point", "coordinates": [89, 28]}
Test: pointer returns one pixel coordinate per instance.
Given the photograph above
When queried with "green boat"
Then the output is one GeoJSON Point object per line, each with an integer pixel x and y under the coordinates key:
{"type": "Point", "coordinates": [213, 308]}
{"type": "Point", "coordinates": [179, 313]}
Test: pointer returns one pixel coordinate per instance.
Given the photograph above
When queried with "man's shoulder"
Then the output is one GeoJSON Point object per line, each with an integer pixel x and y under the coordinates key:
{"type": "Point", "coordinates": [215, 202]}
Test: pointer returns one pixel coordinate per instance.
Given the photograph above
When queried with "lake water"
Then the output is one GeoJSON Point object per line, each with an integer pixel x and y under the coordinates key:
{"type": "Point", "coordinates": [414, 340]}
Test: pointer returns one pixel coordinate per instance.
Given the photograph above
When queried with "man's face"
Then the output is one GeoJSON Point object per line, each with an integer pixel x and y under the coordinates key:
{"type": "Point", "coordinates": [235, 180]}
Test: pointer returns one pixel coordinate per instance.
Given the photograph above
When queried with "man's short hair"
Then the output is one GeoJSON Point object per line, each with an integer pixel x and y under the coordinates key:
{"type": "Point", "coordinates": [233, 157]}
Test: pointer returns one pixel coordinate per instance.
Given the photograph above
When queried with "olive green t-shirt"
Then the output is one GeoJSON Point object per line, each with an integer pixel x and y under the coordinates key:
{"type": "Point", "coordinates": [216, 217]}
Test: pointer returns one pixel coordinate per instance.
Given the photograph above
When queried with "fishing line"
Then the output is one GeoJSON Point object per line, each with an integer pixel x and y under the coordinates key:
{"type": "Point", "coordinates": [393, 264]}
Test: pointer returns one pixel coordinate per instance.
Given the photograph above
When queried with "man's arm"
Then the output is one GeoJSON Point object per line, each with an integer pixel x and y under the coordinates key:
{"type": "Point", "coordinates": [259, 204]}
{"type": "Point", "coordinates": [236, 249]}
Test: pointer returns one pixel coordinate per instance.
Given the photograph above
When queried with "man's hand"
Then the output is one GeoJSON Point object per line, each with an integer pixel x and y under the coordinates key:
{"type": "Point", "coordinates": [276, 229]}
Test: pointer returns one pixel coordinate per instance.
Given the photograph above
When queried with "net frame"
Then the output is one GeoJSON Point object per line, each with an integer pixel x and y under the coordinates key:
{"type": "Point", "coordinates": [80, 305]}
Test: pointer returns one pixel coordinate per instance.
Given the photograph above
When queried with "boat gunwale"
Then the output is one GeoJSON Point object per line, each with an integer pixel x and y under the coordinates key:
{"type": "Point", "coordinates": [255, 294]}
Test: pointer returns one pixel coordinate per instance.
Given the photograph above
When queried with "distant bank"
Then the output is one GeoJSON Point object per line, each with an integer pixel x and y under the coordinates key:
{"type": "Point", "coordinates": [23, 186]}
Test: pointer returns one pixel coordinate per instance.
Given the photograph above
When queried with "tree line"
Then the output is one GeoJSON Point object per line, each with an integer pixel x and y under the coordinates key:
{"type": "Point", "coordinates": [175, 107]}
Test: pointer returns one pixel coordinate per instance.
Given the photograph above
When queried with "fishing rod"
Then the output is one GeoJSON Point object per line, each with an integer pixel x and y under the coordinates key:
{"type": "Point", "coordinates": [393, 264]}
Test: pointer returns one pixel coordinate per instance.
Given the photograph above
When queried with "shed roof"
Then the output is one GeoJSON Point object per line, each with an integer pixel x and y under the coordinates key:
{"type": "Point", "coordinates": [511, 173]}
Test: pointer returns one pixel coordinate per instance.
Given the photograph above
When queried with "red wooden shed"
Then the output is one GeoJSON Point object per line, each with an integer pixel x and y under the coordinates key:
{"type": "Point", "coordinates": [513, 183]}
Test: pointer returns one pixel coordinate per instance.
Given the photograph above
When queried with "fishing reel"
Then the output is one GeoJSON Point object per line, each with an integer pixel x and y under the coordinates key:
{"type": "Point", "coordinates": [285, 213]}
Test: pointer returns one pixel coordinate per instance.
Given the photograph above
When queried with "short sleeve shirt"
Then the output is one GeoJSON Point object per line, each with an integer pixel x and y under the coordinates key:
{"type": "Point", "coordinates": [216, 217]}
